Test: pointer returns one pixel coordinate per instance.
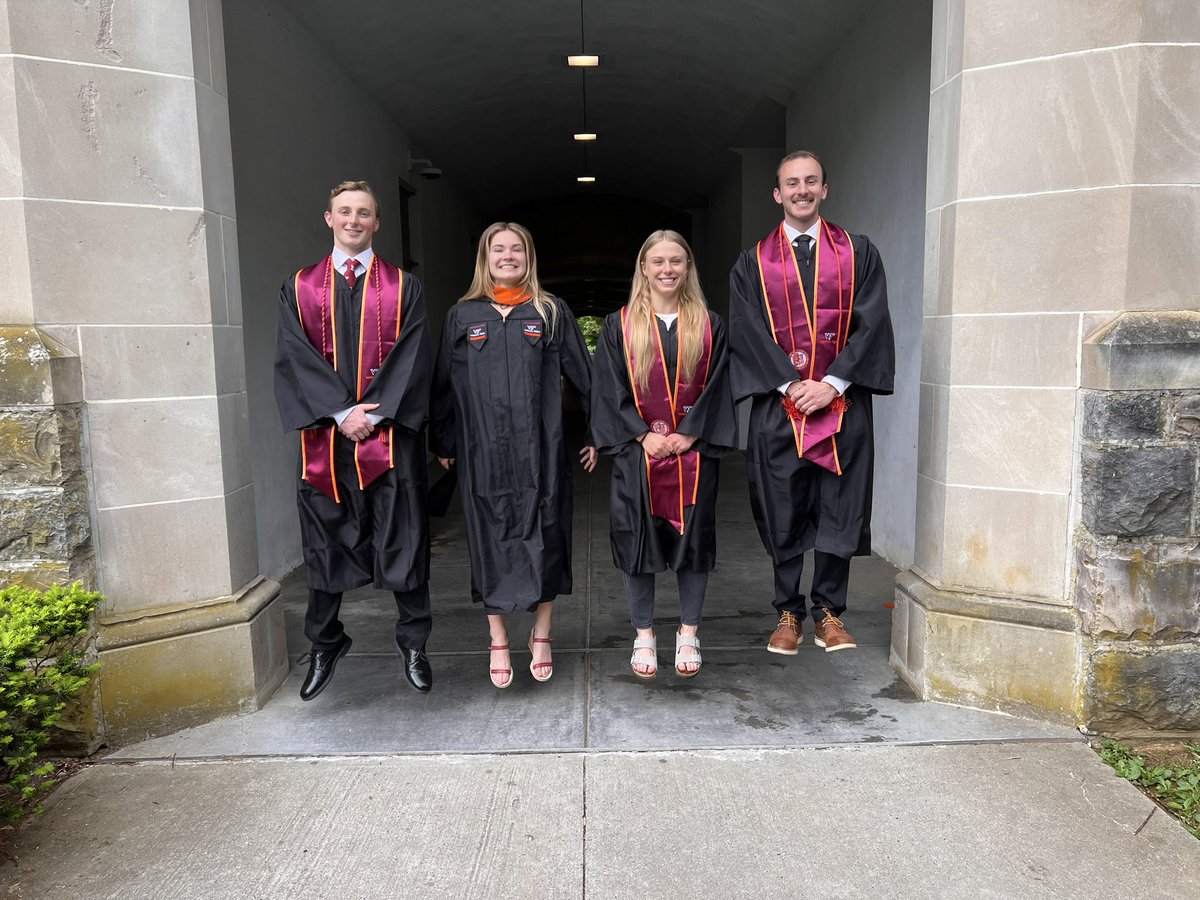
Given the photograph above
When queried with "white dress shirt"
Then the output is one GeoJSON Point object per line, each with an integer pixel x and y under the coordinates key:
{"type": "Point", "coordinates": [363, 263]}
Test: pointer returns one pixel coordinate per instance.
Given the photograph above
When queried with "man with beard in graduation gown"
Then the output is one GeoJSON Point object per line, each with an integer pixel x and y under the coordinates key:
{"type": "Point", "coordinates": [352, 375]}
{"type": "Point", "coordinates": [811, 342]}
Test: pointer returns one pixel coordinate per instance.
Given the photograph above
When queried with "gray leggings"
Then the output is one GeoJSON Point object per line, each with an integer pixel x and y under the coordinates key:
{"type": "Point", "coordinates": [640, 589]}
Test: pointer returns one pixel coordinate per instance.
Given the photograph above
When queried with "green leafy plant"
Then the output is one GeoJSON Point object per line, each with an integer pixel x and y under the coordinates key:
{"type": "Point", "coordinates": [1174, 782]}
{"type": "Point", "coordinates": [43, 640]}
{"type": "Point", "coordinates": [591, 326]}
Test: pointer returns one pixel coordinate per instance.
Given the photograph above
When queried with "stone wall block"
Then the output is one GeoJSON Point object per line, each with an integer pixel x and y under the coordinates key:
{"type": "Point", "coordinates": [930, 548]}
{"type": "Point", "coordinates": [1016, 438]}
{"type": "Point", "coordinates": [933, 429]}
{"type": "Point", "coordinates": [1130, 492]}
{"type": "Point", "coordinates": [1134, 593]}
{"type": "Point", "coordinates": [1129, 691]}
{"type": "Point", "coordinates": [1121, 416]}
{"type": "Point", "coordinates": [1168, 20]}
{"type": "Point", "coordinates": [1164, 231]}
{"type": "Point", "coordinates": [10, 146]}
{"type": "Point", "coordinates": [942, 167]}
{"type": "Point", "coordinates": [1059, 270]}
{"type": "Point", "coordinates": [1185, 417]}
{"type": "Point", "coordinates": [936, 350]}
{"type": "Point", "coordinates": [142, 547]}
{"type": "Point", "coordinates": [201, 53]}
{"type": "Point", "coordinates": [1001, 31]}
{"type": "Point", "coordinates": [123, 363]}
{"type": "Point", "coordinates": [216, 151]}
{"type": "Point", "coordinates": [138, 34]}
{"type": "Point", "coordinates": [1168, 116]}
{"type": "Point", "coordinates": [176, 441]}
{"type": "Point", "coordinates": [106, 278]}
{"type": "Point", "coordinates": [108, 135]}
{"type": "Point", "coordinates": [1015, 351]}
{"type": "Point", "coordinates": [232, 268]}
{"type": "Point", "coordinates": [984, 552]}
{"type": "Point", "coordinates": [1028, 128]}
{"type": "Point", "coordinates": [31, 525]}
{"type": "Point", "coordinates": [234, 422]}
{"type": "Point", "coordinates": [39, 447]}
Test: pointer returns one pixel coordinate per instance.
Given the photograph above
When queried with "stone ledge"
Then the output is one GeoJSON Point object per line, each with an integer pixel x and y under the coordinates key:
{"type": "Point", "coordinates": [999, 654]}
{"type": "Point", "coordinates": [980, 606]}
{"type": "Point", "coordinates": [185, 678]}
{"type": "Point", "coordinates": [184, 619]}
{"type": "Point", "coordinates": [37, 370]}
{"type": "Point", "coordinates": [1140, 351]}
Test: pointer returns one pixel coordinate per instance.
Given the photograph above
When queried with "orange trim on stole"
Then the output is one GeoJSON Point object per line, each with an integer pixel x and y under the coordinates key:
{"type": "Point", "coordinates": [332, 471]}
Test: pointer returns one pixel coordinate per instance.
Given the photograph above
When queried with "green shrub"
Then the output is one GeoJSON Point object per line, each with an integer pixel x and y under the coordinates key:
{"type": "Point", "coordinates": [591, 326]}
{"type": "Point", "coordinates": [43, 638]}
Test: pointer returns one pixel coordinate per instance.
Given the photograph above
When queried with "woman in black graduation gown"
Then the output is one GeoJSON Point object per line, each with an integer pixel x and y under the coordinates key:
{"type": "Point", "coordinates": [497, 416]}
{"type": "Point", "coordinates": [662, 409]}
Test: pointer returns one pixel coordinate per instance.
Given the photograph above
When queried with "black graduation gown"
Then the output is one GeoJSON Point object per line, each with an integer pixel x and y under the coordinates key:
{"type": "Point", "coordinates": [797, 504]}
{"type": "Point", "coordinates": [643, 543]}
{"type": "Point", "coordinates": [379, 536]}
{"type": "Point", "coordinates": [497, 411]}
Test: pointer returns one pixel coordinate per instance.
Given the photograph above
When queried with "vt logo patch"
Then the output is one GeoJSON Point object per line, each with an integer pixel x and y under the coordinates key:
{"type": "Point", "coordinates": [477, 335]}
{"type": "Point", "coordinates": [532, 329]}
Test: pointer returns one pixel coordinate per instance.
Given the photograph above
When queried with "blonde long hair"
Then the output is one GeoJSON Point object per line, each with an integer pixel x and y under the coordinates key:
{"type": "Point", "coordinates": [693, 314]}
{"type": "Point", "coordinates": [482, 284]}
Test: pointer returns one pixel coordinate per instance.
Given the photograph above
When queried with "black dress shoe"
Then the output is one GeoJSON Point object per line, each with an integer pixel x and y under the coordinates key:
{"type": "Point", "coordinates": [321, 664]}
{"type": "Point", "coordinates": [416, 668]}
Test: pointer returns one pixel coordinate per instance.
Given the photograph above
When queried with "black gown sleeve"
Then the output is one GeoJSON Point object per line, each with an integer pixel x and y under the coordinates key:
{"type": "Point", "coordinates": [869, 357]}
{"type": "Point", "coordinates": [615, 419]}
{"type": "Point", "coordinates": [307, 389]}
{"type": "Point", "coordinates": [576, 362]}
{"type": "Point", "coordinates": [401, 387]}
{"type": "Point", "coordinates": [758, 365]}
{"type": "Point", "coordinates": [711, 419]}
{"type": "Point", "coordinates": [441, 408]}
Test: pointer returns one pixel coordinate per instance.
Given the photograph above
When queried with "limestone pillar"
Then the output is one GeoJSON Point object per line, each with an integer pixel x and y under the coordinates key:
{"type": "Point", "coordinates": [116, 194]}
{"type": "Point", "coordinates": [1063, 192]}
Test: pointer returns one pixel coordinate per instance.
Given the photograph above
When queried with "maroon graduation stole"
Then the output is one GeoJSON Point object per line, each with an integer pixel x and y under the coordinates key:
{"type": "Point", "coordinates": [379, 328]}
{"type": "Point", "coordinates": [813, 341]}
{"type": "Point", "coordinates": [673, 481]}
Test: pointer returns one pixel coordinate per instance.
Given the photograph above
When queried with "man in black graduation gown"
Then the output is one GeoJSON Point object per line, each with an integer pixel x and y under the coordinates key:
{"type": "Point", "coordinates": [352, 374]}
{"type": "Point", "coordinates": [800, 504]}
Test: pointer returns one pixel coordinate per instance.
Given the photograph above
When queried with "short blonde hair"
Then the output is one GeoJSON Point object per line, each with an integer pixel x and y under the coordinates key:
{"type": "Point", "coordinates": [342, 186]}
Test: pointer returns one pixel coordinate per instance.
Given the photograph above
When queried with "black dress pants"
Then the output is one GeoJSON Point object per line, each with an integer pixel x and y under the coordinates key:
{"type": "Point", "coordinates": [323, 627]}
{"type": "Point", "coordinates": [831, 581]}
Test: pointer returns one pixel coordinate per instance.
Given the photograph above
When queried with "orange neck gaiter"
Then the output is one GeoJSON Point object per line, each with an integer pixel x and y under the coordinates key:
{"type": "Point", "coordinates": [509, 296]}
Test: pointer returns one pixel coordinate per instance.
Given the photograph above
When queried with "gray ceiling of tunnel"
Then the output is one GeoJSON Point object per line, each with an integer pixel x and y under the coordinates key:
{"type": "Point", "coordinates": [483, 87]}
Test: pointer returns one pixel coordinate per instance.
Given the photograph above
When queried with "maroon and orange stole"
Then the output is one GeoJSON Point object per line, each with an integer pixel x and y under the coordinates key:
{"type": "Point", "coordinates": [673, 481]}
{"type": "Point", "coordinates": [812, 342]}
{"type": "Point", "coordinates": [379, 328]}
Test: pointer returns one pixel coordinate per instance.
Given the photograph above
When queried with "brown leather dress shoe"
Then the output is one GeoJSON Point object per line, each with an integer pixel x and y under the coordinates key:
{"type": "Point", "coordinates": [832, 634]}
{"type": "Point", "coordinates": [787, 636]}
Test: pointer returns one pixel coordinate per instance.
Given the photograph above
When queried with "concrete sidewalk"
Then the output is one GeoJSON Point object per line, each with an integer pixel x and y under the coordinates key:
{"type": "Point", "coordinates": [765, 776]}
{"type": "Point", "coordinates": [1031, 819]}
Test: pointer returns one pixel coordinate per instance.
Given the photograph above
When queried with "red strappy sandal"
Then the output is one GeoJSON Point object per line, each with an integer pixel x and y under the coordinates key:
{"type": "Point", "coordinates": [494, 672]}
{"type": "Point", "coordinates": [546, 667]}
